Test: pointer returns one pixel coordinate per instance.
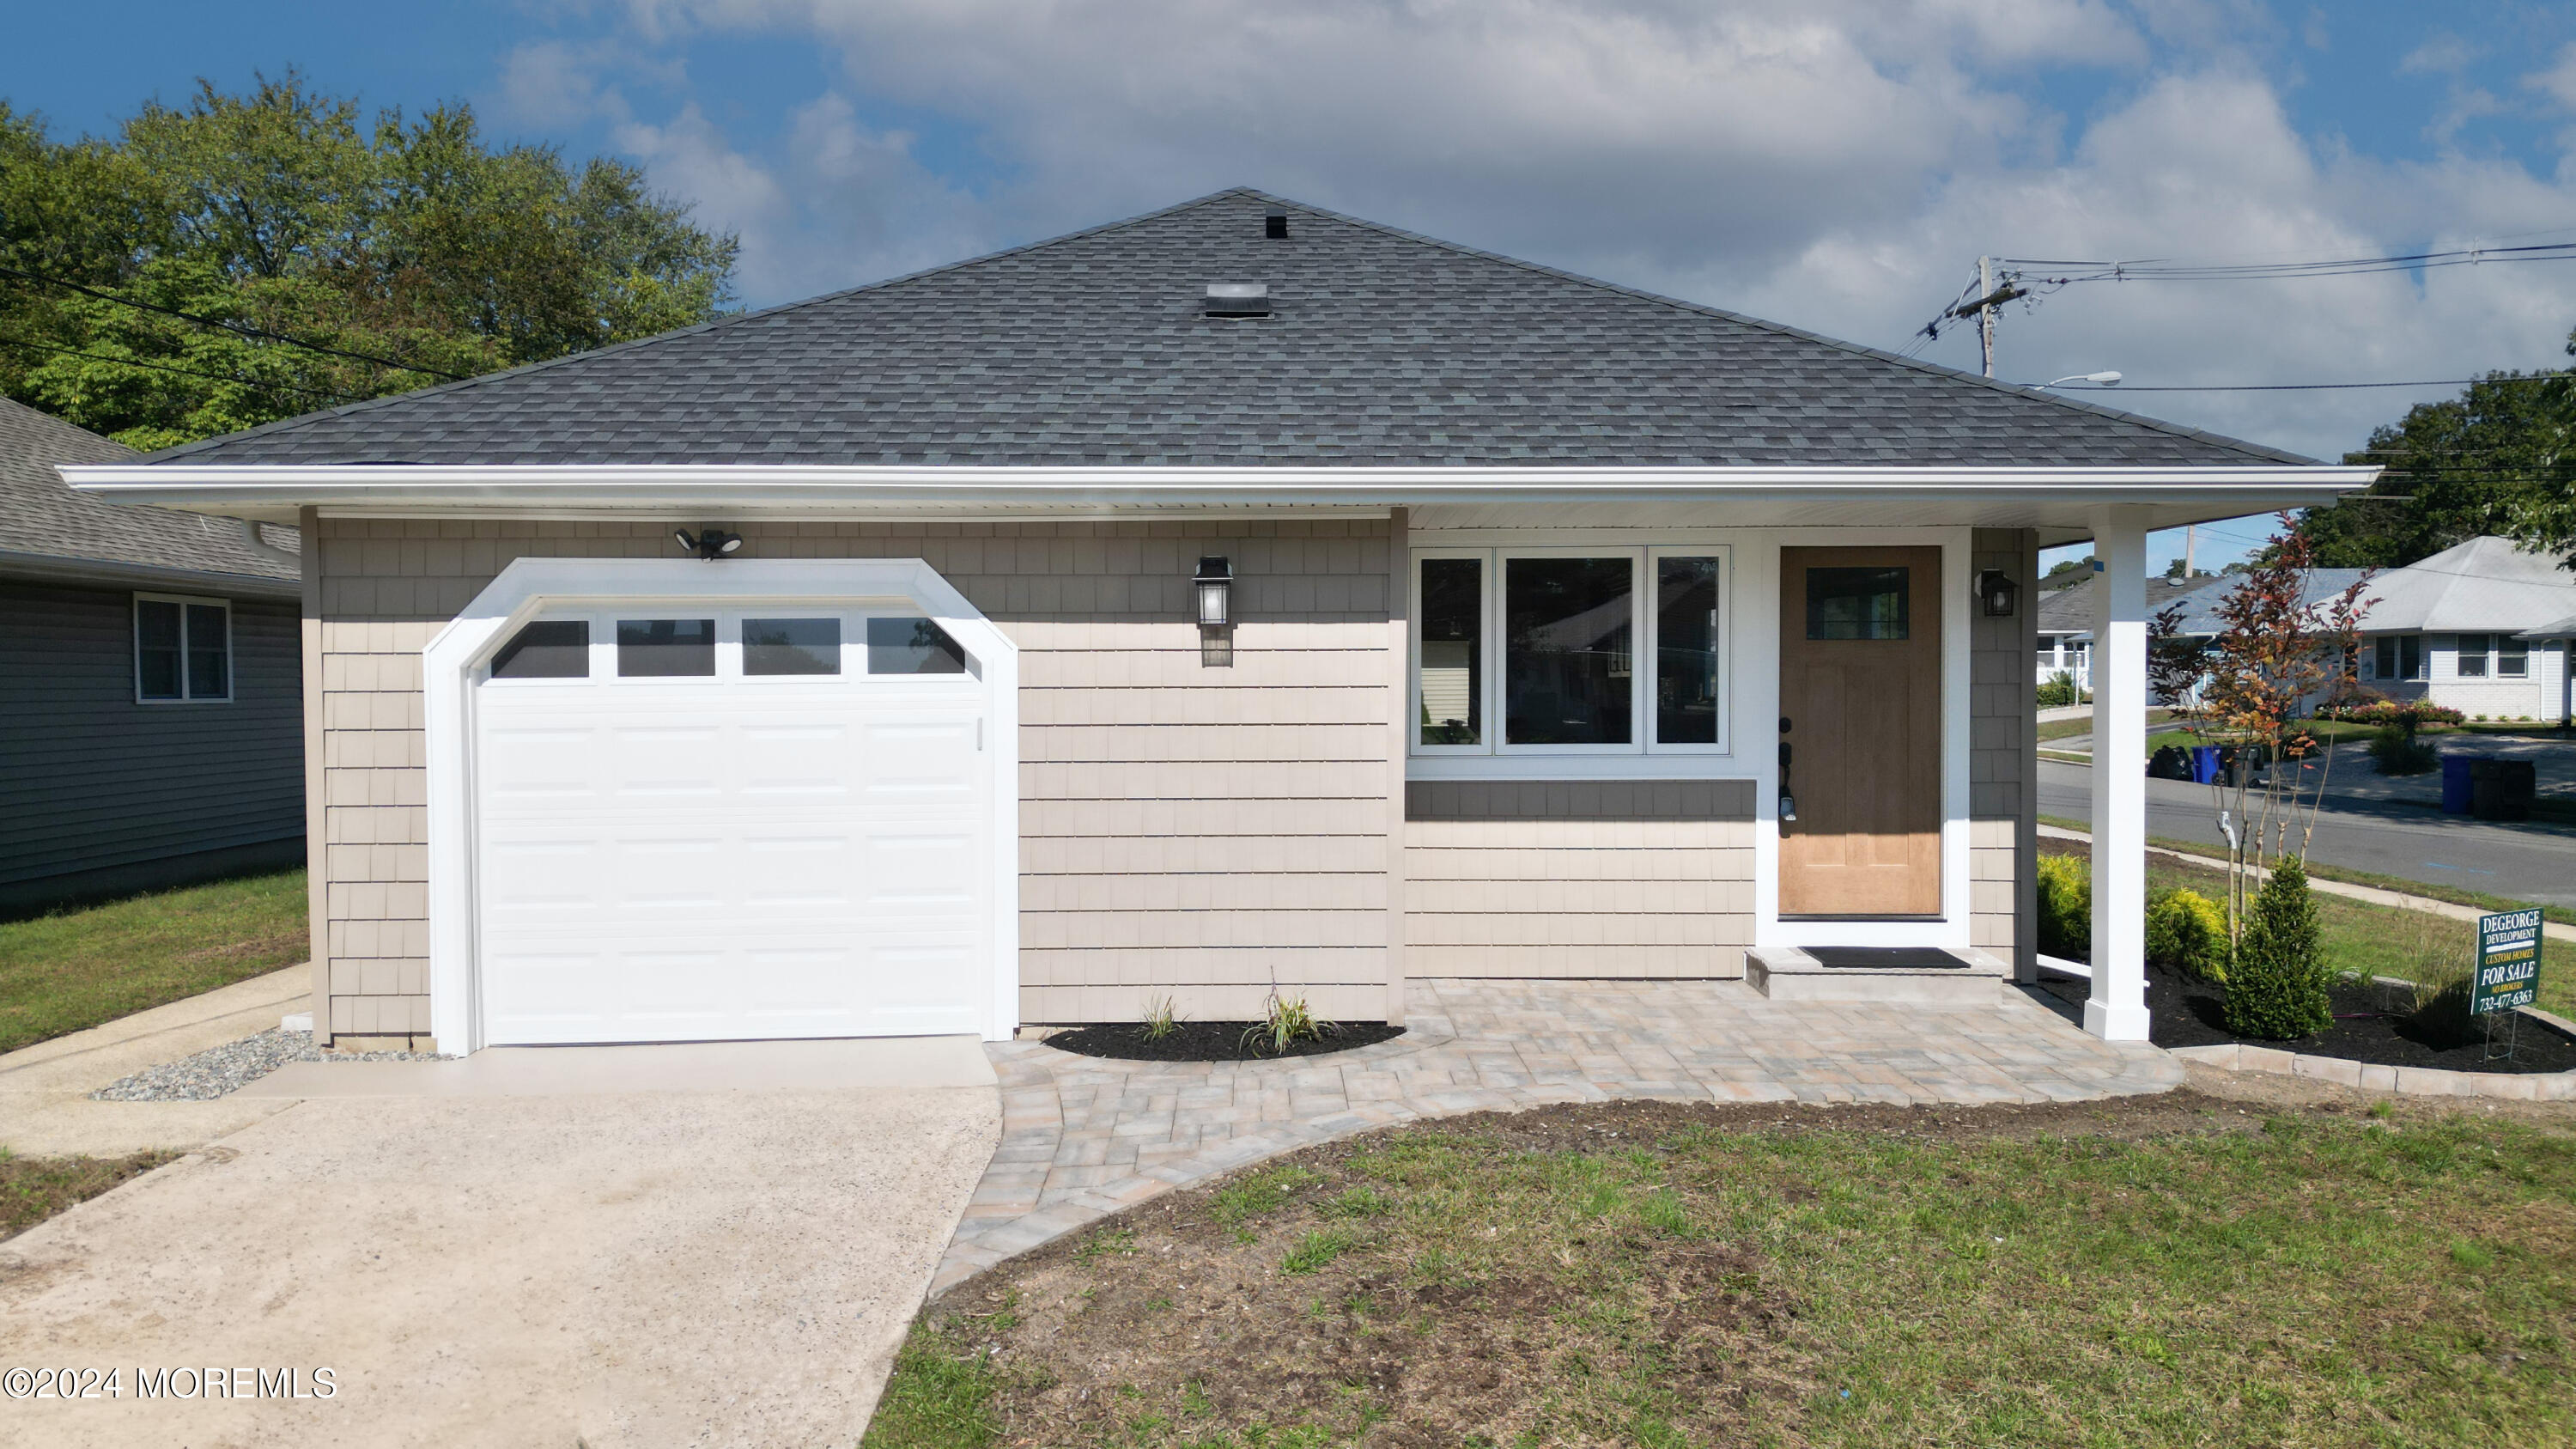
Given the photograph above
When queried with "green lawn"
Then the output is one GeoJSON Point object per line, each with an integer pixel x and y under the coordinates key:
{"type": "Point", "coordinates": [33, 1189]}
{"type": "Point", "coordinates": [2161, 1271]}
{"type": "Point", "coordinates": [75, 969]}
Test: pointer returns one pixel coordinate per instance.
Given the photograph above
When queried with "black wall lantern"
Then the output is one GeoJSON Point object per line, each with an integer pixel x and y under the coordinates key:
{"type": "Point", "coordinates": [1215, 580]}
{"type": "Point", "coordinates": [710, 543]}
{"type": "Point", "coordinates": [1998, 594]}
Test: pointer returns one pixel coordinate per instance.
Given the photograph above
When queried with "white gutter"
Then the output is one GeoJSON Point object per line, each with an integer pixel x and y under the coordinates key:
{"type": "Point", "coordinates": [757, 485]}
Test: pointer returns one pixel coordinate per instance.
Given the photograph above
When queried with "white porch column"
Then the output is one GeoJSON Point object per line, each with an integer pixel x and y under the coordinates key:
{"type": "Point", "coordinates": [2117, 1010]}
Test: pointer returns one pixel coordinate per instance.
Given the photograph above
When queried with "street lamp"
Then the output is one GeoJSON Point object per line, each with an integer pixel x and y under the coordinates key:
{"type": "Point", "coordinates": [2098, 379]}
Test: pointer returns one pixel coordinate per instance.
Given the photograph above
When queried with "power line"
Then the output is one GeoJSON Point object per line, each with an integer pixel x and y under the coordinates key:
{"type": "Point", "coordinates": [2319, 386]}
{"type": "Point", "coordinates": [182, 371]}
{"type": "Point", "coordinates": [236, 327]}
{"type": "Point", "coordinates": [2160, 269]}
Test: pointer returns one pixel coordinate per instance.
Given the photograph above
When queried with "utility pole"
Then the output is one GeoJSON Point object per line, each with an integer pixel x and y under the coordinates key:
{"type": "Point", "coordinates": [2190, 538]}
{"type": "Point", "coordinates": [1986, 311]}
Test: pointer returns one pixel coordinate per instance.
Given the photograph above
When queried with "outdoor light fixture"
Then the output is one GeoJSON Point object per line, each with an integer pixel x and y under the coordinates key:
{"type": "Point", "coordinates": [712, 543]}
{"type": "Point", "coordinates": [1215, 580]}
{"type": "Point", "coordinates": [1998, 594]}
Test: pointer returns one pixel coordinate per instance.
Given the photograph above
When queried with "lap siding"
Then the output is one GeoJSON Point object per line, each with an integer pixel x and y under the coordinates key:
{"type": "Point", "coordinates": [1196, 831]}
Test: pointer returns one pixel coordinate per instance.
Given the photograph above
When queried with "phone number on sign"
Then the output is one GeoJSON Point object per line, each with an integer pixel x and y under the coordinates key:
{"type": "Point", "coordinates": [169, 1383]}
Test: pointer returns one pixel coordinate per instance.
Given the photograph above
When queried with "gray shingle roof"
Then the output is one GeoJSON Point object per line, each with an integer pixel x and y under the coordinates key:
{"type": "Point", "coordinates": [43, 518]}
{"type": "Point", "coordinates": [1386, 348]}
{"type": "Point", "coordinates": [2069, 610]}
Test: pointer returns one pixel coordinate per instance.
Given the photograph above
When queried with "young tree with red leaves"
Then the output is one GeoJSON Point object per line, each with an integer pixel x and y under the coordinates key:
{"type": "Point", "coordinates": [2277, 658]}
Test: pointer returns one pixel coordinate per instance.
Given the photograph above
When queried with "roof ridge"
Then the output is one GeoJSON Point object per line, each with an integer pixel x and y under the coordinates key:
{"type": "Point", "coordinates": [181, 450]}
{"type": "Point", "coordinates": [1878, 354]}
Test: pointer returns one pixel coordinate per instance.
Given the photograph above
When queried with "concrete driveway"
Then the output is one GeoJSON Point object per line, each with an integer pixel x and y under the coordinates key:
{"type": "Point", "coordinates": [709, 1245]}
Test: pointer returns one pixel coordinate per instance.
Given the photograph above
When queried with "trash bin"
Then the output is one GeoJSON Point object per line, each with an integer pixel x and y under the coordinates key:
{"type": "Point", "coordinates": [2204, 764]}
{"type": "Point", "coordinates": [2456, 785]}
{"type": "Point", "coordinates": [2169, 763]}
{"type": "Point", "coordinates": [2501, 789]}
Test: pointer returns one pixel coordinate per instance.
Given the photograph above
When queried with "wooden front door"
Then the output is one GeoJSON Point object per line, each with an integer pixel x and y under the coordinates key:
{"type": "Point", "coordinates": [1860, 717]}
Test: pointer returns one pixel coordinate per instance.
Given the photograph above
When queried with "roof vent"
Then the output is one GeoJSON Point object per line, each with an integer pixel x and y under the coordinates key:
{"type": "Point", "coordinates": [1238, 299]}
{"type": "Point", "coordinates": [1274, 223]}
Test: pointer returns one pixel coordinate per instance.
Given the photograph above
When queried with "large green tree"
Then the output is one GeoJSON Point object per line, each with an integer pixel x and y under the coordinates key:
{"type": "Point", "coordinates": [2500, 458]}
{"type": "Point", "coordinates": [246, 258]}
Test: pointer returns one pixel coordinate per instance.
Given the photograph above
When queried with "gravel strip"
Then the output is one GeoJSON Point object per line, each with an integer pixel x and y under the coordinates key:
{"type": "Point", "coordinates": [219, 1070]}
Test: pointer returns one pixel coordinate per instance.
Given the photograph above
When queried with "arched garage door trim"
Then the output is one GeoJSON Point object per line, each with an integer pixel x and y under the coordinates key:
{"type": "Point", "coordinates": [530, 585]}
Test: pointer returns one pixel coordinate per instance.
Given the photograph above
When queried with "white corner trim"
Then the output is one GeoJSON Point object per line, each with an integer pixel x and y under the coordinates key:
{"type": "Point", "coordinates": [531, 584]}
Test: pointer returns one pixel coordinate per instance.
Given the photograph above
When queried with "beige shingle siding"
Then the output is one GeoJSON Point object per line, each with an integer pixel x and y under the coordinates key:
{"type": "Point", "coordinates": [2003, 799]}
{"type": "Point", "coordinates": [1185, 829]}
{"type": "Point", "coordinates": [1578, 878]}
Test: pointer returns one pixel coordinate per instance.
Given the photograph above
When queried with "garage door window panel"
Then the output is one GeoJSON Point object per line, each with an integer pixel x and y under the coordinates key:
{"type": "Point", "coordinates": [808, 646]}
{"type": "Point", "coordinates": [912, 646]}
{"type": "Point", "coordinates": [546, 649]}
{"type": "Point", "coordinates": [666, 648]}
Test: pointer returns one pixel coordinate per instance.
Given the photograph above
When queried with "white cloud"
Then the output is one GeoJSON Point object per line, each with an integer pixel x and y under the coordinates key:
{"type": "Point", "coordinates": [1835, 164]}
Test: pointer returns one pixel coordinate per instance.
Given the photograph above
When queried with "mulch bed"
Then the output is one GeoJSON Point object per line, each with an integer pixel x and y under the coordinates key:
{"type": "Point", "coordinates": [1209, 1041]}
{"type": "Point", "coordinates": [2371, 1025]}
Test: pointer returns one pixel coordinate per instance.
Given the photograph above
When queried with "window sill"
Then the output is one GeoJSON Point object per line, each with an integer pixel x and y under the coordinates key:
{"type": "Point", "coordinates": [1629, 766]}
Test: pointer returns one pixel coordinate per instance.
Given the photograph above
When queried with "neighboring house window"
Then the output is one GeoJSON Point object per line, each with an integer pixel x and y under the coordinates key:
{"type": "Point", "coordinates": [2473, 656]}
{"type": "Point", "coordinates": [183, 649]}
{"type": "Point", "coordinates": [1602, 650]}
{"type": "Point", "coordinates": [2513, 659]}
{"type": "Point", "coordinates": [2401, 656]}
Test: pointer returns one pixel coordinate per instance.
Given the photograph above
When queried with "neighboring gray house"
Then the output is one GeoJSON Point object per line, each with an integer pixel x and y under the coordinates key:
{"type": "Point", "coordinates": [2066, 624]}
{"type": "Point", "coordinates": [151, 696]}
{"type": "Point", "coordinates": [1235, 599]}
{"type": "Point", "coordinates": [2478, 627]}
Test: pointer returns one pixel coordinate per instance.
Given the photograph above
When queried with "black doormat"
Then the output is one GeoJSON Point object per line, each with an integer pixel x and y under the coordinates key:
{"type": "Point", "coordinates": [1885, 958]}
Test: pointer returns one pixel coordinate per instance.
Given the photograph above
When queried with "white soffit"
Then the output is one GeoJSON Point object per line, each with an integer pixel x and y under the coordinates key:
{"type": "Point", "coordinates": [2054, 499]}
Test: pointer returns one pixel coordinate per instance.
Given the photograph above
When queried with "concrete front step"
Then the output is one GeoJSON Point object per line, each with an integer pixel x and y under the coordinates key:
{"type": "Point", "coordinates": [1789, 973]}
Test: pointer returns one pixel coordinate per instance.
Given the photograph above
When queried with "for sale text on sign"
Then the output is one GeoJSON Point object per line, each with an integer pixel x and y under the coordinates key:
{"type": "Point", "coordinates": [2508, 962]}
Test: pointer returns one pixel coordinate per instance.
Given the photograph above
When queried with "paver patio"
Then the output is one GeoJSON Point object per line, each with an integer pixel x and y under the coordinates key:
{"type": "Point", "coordinates": [1084, 1137]}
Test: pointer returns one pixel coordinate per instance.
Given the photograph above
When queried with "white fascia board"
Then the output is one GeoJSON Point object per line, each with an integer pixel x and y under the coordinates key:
{"type": "Point", "coordinates": [509, 487]}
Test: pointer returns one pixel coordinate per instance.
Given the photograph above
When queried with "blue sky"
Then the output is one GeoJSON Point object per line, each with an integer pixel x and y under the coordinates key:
{"type": "Point", "coordinates": [1834, 164]}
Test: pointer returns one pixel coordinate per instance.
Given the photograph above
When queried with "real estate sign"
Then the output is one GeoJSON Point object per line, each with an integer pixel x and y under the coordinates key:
{"type": "Point", "coordinates": [2508, 962]}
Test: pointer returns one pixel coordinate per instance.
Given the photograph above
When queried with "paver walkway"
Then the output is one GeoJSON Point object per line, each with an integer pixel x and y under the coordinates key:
{"type": "Point", "coordinates": [1084, 1137]}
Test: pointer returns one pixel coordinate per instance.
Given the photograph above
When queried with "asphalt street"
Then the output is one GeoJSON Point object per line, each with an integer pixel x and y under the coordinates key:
{"type": "Point", "coordinates": [2525, 862]}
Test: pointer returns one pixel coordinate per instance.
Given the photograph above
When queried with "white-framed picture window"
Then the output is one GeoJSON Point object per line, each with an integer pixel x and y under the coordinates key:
{"type": "Point", "coordinates": [2400, 656]}
{"type": "Point", "coordinates": [1588, 650]}
{"type": "Point", "coordinates": [2513, 658]}
{"type": "Point", "coordinates": [2473, 655]}
{"type": "Point", "coordinates": [183, 649]}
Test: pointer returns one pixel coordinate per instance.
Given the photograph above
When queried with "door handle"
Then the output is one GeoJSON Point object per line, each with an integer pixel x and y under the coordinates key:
{"type": "Point", "coordinates": [1784, 754]}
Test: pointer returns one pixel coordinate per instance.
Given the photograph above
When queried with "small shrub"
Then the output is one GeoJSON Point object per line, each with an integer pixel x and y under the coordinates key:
{"type": "Point", "coordinates": [2396, 751]}
{"type": "Point", "coordinates": [2276, 986]}
{"type": "Point", "coordinates": [1161, 1019]}
{"type": "Point", "coordinates": [2058, 691]}
{"type": "Point", "coordinates": [1283, 1024]}
{"type": "Point", "coordinates": [2065, 908]}
{"type": "Point", "coordinates": [2187, 933]}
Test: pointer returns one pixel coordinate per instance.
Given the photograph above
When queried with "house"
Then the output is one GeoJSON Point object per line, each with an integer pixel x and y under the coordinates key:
{"type": "Point", "coordinates": [1234, 599]}
{"type": "Point", "coordinates": [2066, 623]}
{"type": "Point", "coordinates": [2477, 627]}
{"type": "Point", "coordinates": [152, 732]}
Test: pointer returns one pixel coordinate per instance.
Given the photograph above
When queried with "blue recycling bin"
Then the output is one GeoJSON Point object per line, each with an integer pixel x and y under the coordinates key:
{"type": "Point", "coordinates": [2204, 764]}
{"type": "Point", "coordinates": [2457, 791]}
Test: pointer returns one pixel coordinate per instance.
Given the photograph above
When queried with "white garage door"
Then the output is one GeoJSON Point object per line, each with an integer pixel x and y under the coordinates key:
{"type": "Point", "coordinates": [698, 824]}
